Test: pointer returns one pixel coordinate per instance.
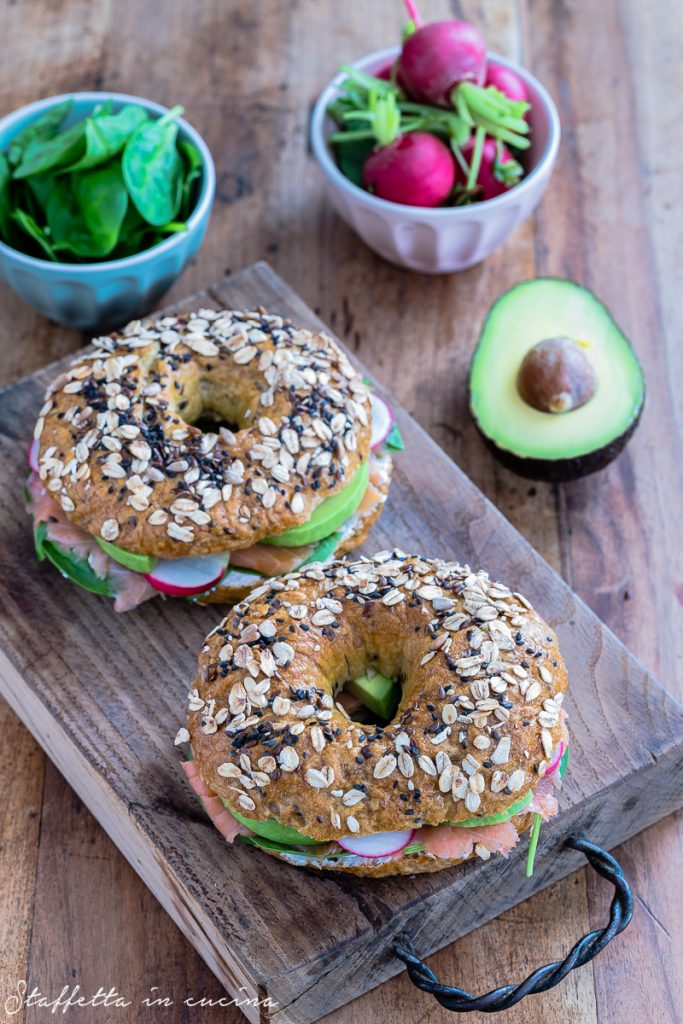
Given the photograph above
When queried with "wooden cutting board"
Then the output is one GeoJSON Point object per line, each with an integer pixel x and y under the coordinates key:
{"type": "Point", "coordinates": [104, 695]}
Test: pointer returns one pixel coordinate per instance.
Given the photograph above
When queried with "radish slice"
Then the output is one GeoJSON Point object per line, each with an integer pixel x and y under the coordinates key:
{"type": "Point", "coordinates": [33, 456]}
{"type": "Point", "coordinates": [183, 577]}
{"type": "Point", "coordinates": [557, 757]}
{"type": "Point", "coordinates": [382, 844]}
{"type": "Point", "coordinates": [382, 421]}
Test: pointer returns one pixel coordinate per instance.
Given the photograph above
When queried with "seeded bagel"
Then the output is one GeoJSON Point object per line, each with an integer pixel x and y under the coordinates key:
{"type": "Point", "coordinates": [479, 718]}
{"type": "Point", "coordinates": [119, 452]}
{"type": "Point", "coordinates": [353, 535]}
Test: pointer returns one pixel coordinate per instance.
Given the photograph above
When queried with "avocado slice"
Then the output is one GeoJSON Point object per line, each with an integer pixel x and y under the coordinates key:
{"type": "Point", "coordinates": [496, 819]}
{"type": "Point", "coordinates": [323, 550]}
{"type": "Point", "coordinates": [555, 388]}
{"type": "Point", "coordinates": [272, 830]}
{"type": "Point", "coordinates": [379, 694]}
{"type": "Point", "coordinates": [329, 515]}
{"type": "Point", "coordinates": [138, 563]}
{"type": "Point", "coordinates": [78, 570]}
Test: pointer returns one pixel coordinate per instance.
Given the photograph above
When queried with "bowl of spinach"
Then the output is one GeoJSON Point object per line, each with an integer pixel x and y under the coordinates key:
{"type": "Point", "coordinates": [104, 198]}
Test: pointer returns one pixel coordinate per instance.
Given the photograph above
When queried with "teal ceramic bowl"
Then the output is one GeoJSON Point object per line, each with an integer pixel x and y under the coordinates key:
{"type": "Point", "coordinates": [94, 296]}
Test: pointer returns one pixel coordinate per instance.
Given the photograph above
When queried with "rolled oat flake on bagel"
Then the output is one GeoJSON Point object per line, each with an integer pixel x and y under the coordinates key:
{"type": "Point", "coordinates": [196, 454]}
{"type": "Point", "coordinates": [389, 715]}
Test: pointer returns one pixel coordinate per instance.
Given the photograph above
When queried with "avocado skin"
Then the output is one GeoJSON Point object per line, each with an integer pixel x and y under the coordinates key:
{"type": "Point", "coordinates": [562, 470]}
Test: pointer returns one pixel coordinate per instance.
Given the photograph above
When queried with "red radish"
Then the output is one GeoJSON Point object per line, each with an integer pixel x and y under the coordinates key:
{"type": "Point", "coordinates": [507, 81]}
{"type": "Point", "coordinates": [417, 169]}
{"type": "Point", "coordinates": [184, 577]}
{"type": "Point", "coordinates": [438, 57]}
{"type": "Point", "coordinates": [33, 456]}
{"type": "Point", "coordinates": [382, 421]}
{"type": "Point", "coordinates": [381, 844]}
{"type": "Point", "coordinates": [557, 757]}
{"type": "Point", "coordinates": [492, 171]}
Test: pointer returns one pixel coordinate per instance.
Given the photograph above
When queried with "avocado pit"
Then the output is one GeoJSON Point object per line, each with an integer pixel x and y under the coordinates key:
{"type": "Point", "coordinates": [556, 376]}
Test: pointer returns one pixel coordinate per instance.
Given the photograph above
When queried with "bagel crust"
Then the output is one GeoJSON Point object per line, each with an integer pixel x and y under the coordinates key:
{"type": "Point", "coordinates": [118, 449]}
{"type": "Point", "coordinates": [479, 717]}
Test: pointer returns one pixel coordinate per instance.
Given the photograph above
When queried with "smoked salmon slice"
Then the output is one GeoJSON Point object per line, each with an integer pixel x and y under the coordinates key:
{"type": "Point", "coordinates": [455, 843]}
{"type": "Point", "coordinates": [544, 801]}
{"type": "Point", "coordinates": [270, 560]}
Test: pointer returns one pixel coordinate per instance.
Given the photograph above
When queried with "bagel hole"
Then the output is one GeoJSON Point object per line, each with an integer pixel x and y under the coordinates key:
{"type": "Point", "coordinates": [370, 697]}
{"type": "Point", "coordinates": [209, 404]}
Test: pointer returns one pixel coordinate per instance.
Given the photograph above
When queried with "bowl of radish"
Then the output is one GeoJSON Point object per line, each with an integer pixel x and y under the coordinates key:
{"type": "Point", "coordinates": [436, 150]}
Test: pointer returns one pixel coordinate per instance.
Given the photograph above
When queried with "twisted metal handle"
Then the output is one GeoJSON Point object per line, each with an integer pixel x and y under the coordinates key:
{"type": "Point", "coordinates": [544, 978]}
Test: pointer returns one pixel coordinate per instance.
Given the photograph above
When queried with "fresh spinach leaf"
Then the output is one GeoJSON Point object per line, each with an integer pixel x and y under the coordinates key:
{"type": "Point", "coordinates": [153, 169]}
{"type": "Point", "coordinates": [44, 127]}
{"type": "Point", "coordinates": [106, 135]}
{"type": "Point", "coordinates": [85, 211]}
{"type": "Point", "coordinates": [45, 154]}
{"type": "Point", "coordinates": [394, 440]}
{"type": "Point", "coordinates": [76, 569]}
{"type": "Point", "coordinates": [5, 203]}
{"type": "Point", "coordinates": [192, 161]}
{"type": "Point", "coordinates": [28, 225]}
{"type": "Point", "coordinates": [36, 191]}
{"type": "Point", "coordinates": [103, 200]}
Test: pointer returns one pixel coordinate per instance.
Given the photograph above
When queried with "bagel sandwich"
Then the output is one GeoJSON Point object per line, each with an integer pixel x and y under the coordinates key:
{"type": "Point", "coordinates": [389, 715]}
{"type": "Point", "coordinates": [194, 455]}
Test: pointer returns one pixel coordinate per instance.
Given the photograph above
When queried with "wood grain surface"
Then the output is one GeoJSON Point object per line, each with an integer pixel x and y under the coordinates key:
{"type": "Point", "coordinates": [105, 715]}
{"type": "Point", "coordinates": [247, 75]}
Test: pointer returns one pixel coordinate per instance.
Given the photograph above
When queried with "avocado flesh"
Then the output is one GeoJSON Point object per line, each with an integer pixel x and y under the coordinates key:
{"type": "Point", "coordinates": [496, 819]}
{"type": "Point", "coordinates": [329, 515]}
{"type": "Point", "coordinates": [377, 693]}
{"type": "Point", "coordinates": [138, 563]}
{"type": "Point", "coordinates": [272, 829]}
{"type": "Point", "coordinates": [575, 442]}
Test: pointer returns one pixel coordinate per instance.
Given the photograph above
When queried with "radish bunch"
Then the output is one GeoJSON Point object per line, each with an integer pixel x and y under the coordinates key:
{"type": "Point", "coordinates": [439, 126]}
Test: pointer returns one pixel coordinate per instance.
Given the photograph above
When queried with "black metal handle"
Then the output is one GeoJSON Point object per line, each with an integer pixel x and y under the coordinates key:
{"type": "Point", "coordinates": [543, 978]}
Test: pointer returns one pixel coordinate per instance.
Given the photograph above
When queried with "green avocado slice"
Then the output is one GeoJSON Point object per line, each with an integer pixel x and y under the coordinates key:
{"type": "Point", "coordinates": [496, 819]}
{"type": "Point", "coordinates": [378, 693]}
{"type": "Point", "coordinates": [329, 515]}
{"type": "Point", "coordinates": [323, 550]}
{"type": "Point", "coordinates": [138, 563]}
{"type": "Point", "coordinates": [272, 830]}
{"type": "Point", "coordinates": [555, 445]}
{"type": "Point", "coordinates": [76, 569]}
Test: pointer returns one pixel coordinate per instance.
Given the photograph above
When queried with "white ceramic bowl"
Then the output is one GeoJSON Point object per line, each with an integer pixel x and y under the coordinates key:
{"type": "Point", "coordinates": [438, 240]}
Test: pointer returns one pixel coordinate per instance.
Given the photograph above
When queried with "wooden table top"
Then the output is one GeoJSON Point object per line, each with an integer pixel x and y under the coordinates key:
{"type": "Point", "coordinates": [72, 911]}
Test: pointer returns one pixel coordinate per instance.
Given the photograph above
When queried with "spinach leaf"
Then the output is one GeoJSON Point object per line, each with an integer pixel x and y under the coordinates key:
{"type": "Point", "coordinates": [76, 569]}
{"type": "Point", "coordinates": [28, 224]}
{"type": "Point", "coordinates": [103, 200]}
{"type": "Point", "coordinates": [85, 211]}
{"type": "Point", "coordinates": [153, 169]}
{"type": "Point", "coordinates": [106, 135]}
{"type": "Point", "coordinates": [44, 127]}
{"type": "Point", "coordinates": [193, 171]}
{"type": "Point", "coordinates": [5, 203]}
{"type": "Point", "coordinates": [45, 154]}
{"type": "Point", "coordinates": [37, 189]}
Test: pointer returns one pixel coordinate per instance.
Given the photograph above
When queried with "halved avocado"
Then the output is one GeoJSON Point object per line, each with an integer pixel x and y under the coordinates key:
{"type": "Point", "coordinates": [78, 570]}
{"type": "Point", "coordinates": [273, 830]}
{"type": "Point", "coordinates": [329, 515]}
{"type": "Point", "coordinates": [138, 563]}
{"type": "Point", "coordinates": [379, 694]}
{"type": "Point", "coordinates": [555, 388]}
{"type": "Point", "coordinates": [496, 819]}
